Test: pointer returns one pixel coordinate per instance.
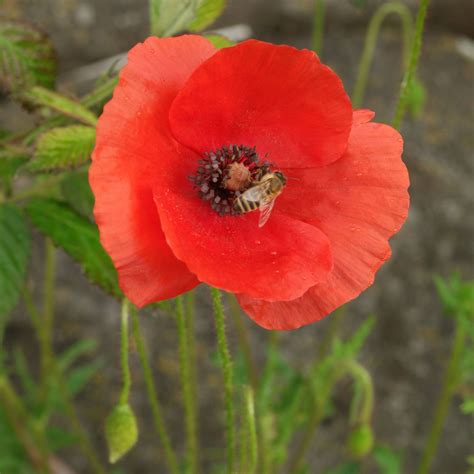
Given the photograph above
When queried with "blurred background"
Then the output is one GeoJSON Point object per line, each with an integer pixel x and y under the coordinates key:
{"type": "Point", "coordinates": [408, 348]}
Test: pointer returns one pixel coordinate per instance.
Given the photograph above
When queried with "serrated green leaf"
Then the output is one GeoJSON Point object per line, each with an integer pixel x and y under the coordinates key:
{"type": "Point", "coordinates": [14, 252]}
{"type": "Point", "coordinates": [42, 97]}
{"type": "Point", "coordinates": [62, 148]}
{"type": "Point", "coordinates": [206, 14]}
{"type": "Point", "coordinates": [77, 192]}
{"type": "Point", "coordinates": [26, 57]}
{"type": "Point", "coordinates": [10, 163]}
{"type": "Point", "coordinates": [78, 237]}
{"type": "Point", "coordinates": [169, 17]}
{"type": "Point", "coordinates": [220, 41]}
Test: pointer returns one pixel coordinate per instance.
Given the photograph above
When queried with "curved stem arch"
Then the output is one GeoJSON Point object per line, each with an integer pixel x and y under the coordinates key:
{"type": "Point", "coordinates": [404, 13]}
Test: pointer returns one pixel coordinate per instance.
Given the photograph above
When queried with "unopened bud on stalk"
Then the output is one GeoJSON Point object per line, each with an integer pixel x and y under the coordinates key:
{"type": "Point", "coordinates": [360, 441]}
{"type": "Point", "coordinates": [121, 431]}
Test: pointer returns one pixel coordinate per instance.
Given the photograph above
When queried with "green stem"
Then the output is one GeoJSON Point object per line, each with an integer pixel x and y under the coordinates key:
{"type": "Point", "coordinates": [367, 57]}
{"type": "Point", "coordinates": [186, 384]}
{"type": "Point", "coordinates": [362, 412]}
{"type": "Point", "coordinates": [251, 430]}
{"type": "Point", "coordinates": [156, 411]}
{"type": "Point", "coordinates": [244, 340]}
{"type": "Point", "coordinates": [442, 406]}
{"type": "Point", "coordinates": [47, 320]}
{"type": "Point", "coordinates": [412, 65]}
{"type": "Point", "coordinates": [318, 26]}
{"type": "Point", "coordinates": [154, 16]}
{"type": "Point", "coordinates": [126, 380]}
{"type": "Point", "coordinates": [228, 375]}
{"type": "Point", "coordinates": [33, 440]}
{"type": "Point", "coordinates": [330, 334]}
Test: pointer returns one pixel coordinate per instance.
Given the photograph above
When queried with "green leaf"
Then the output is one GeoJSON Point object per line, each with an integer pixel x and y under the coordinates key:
{"type": "Point", "coordinates": [388, 461]}
{"type": "Point", "coordinates": [27, 57]}
{"type": "Point", "coordinates": [10, 163]}
{"type": "Point", "coordinates": [169, 17]}
{"type": "Point", "coordinates": [352, 346]}
{"type": "Point", "coordinates": [206, 14]}
{"type": "Point", "coordinates": [14, 252]}
{"type": "Point", "coordinates": [220, 41]}
{"type": "Point", "coordinates": [467, 406]}
{"type": "Point", "coordinates": [42, 97]}
{"type": "Point", "coordinates": [62, 148]}
{"type": "Point", "coordinates": [77, 192]}
{"type": "Point", "coordinates": [78, 237]}
{"type": "Point", "coordinates": [72, 353]}
{"type": "Point", "coordinates": [78, 378]}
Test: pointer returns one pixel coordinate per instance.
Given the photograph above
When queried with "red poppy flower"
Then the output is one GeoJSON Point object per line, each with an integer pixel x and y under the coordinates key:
{"type": "Point", "coordinates": [191, 128]}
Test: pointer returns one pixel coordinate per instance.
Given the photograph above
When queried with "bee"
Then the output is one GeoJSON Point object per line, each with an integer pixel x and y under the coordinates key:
{"type": "Point", "coordinates": [261, 195]}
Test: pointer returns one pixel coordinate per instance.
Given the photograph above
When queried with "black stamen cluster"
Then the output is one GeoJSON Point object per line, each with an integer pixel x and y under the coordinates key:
{"type": "Point", "coordinates": [213, 172]}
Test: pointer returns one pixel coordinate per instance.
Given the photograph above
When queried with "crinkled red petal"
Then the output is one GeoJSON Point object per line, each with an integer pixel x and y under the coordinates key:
{"type": "Point", "coordinates": [133, 139]}
{"type": "Point", "coordinates": [359, 202]}
{"type": "Point", "coordinates": [281, 100]}
{"type": "Point", "coordinates": [276, 262]}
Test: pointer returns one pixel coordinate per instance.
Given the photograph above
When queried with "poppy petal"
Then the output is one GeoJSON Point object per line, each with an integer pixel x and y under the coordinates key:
{"type": "Point", "coordinates": [359, 202]}
{"type": "Point", "coordinates": [132, 138]}
{"type": "Point", "coordinates": [281, 100]}
{"type": "Point", "coordinates": [277, 262]}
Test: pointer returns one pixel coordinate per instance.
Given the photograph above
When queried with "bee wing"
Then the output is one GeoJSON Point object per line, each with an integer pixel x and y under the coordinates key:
{"type": "Point", "coordinates": [256, 193]}
{"type": "Point", "coordinates": [265, 211]}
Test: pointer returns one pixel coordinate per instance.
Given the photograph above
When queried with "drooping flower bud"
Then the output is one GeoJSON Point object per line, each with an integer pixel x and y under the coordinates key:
{"type": "Point", "coordinates": [121, 431]}
{"type": "Point", "coordinates": [360, 441]}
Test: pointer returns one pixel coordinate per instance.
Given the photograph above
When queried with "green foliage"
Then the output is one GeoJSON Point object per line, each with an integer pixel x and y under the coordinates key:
{"type": "Point", "coordinates": [353, 345]}
{"type": "Point", "coordinates": [121, 431]}
{"type": "Point", "coordinates": [62, 148]}
{"type": "Point", "coordinates": [41, 97]}
{"type": "Point", "coordinates": [220, 41]}
{"type": "Point", "coordinates": [360, 441]}
{"type": "Point", "coordinates": [207, 13]}
{"type": "Point", "coordinates": [388, 461]}
{"type": "Point", "coordinates": [416, 97]}
{"type": "Point", "coordinates": [78, 237]}
{"type": "Point", "coordinates": [76, 191]}
{"type": "Point", "coordinates": [350, 467]}
{"type": "Point", "coordinates": [169, 17]}
{"type": "Point", "coordinates": [26, 57]}
{"type": "Point", "coordinates": [14, 253]}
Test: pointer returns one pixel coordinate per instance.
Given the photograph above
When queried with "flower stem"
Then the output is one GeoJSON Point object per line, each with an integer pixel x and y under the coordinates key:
{"type": "Point", "coordinates": [244, 341]}
{"type": "Point", "coordinates": [186, 384]}
{"type": "Point", "coordinates": [375, 24]}
{"type": "Point", "coordinates": [442, 406]}
{"type": "Point", "coordinates": [318, 26]}
{"type": "Point", "coordinates": [251, 429]}
{"type": "Point", "coordinates": [412, 64]}
{"type": "Point", "coordinates": [331, 331]}
{"type": "Point", "coordinates": [126, 380]}
{"type": "Point", "coordinates": [362, 412]}
{"type": "Point", "coordinates": [156, 411]}
{"type": "Point", "coordinates": [228, 375]}
{"type": "Point", "coordinates": [47, 320]}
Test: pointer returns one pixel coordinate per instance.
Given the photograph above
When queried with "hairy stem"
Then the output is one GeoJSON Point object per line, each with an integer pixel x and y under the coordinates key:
{"type": "Point", "coordinates": [442, 406]}
{"type": "Point", "coordinates": [412, 64]}
{"type": "Point", "coordinates": [244, 341]}
{"type": "Point", "coordinates": [367, 57]}
{"type": "Point", "coordinates": [228, 375]}
{"type": "Point", "coordinates": [186, 384]}
{"type": "Point", "coordinates": [156, 411]}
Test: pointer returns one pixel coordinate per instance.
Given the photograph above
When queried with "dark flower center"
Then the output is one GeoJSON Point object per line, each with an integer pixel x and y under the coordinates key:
{"type": "Point", "coordinates": [223, 175]}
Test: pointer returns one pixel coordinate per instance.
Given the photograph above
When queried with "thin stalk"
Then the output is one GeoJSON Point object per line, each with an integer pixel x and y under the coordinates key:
{"type": "Point", "coordinates": [47, 319]}
{"type": "Point", "coordinates": [412, 65]}
{"type": "Point", "coordinates": [444, 400]}
{"type": "Point", "coordinates": [244, 341]}
{"type": "Point", "coordinates": [186, 384]}
{"type": "Point", "coordinates": [251, 430]}
{"type": "Point", "coordinates": [126, 380]}
{"type": "Point", "coordinates": [363, 411]}
{"type": "Point", "coordinates": [330, 334]}
{"type": "Point", "coordinates": [227, 371]}
{"type": "Point", "coordinates": [170, 456]}
{"type": "Point", "coordinates": [318, 26]}
{"type": "Point", "coordinates": [403, 12]}
{"type": "Point", "coordinates": [33, 441]}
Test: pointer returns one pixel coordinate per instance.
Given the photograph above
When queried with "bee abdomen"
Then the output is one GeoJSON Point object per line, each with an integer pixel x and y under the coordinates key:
{"type": "Point", "coordinates": [242, 205]}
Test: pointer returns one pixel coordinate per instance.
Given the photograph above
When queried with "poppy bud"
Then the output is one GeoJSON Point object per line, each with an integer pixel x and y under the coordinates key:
{"type": "Point", "coordinates": [121, 431]}
{"type": "Point", "coordinates": [360, 441]}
